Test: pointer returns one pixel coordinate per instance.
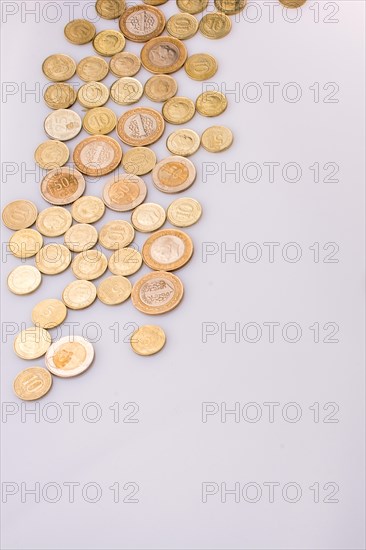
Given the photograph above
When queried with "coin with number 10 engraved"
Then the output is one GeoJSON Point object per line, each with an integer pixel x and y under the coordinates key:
{"type": "Point", "coordinates": [33, 383]}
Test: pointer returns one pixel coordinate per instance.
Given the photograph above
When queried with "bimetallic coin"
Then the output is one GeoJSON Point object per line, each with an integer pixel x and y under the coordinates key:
{"type": "Point", "coordinates": [89, 265]}
{"type": "Point", "coordinates": [60, 96]}
{"type": "Point", "coordinates": [79, 294]}
{"type": "Point", "coordinates": [142, 23]}
{"type": "Point", "coordinates": [32, 343]}
{"type": "Point", "coordinates": [69, 356]}
{"type": "Point", "coordinates": [292, 4]}
{"type": "Point", "coordinates": [93, 94]}
{"type": "Point", "coordinates": [25, 243]}
{"type": "Point", "coordinates": [110, 9]}
{"type": "Point", "coordinates": [116, 234]}
{"type": "Point", "coordinates": [92, 69]}
{"type": "Point", "coordinates": [231, 7]}
{"type": "Point", "coordinates": [167, 250]}
{"type": "Point", "coordinates": [62, 186]}
{"type": "Point", "coordinates": [19, 214]}
{"type": "Point", "coordinates": [53, 221]}
{"type": "Point", "coordinates": [53, 259]}
{"type": "Point", "coordinates": [126, 91]}
{"type": "Point", "coordinates": [109, 42]}
{"type": "Point", "coordinates": [139, 161]}
{"type": "Point", "coordinates": [51, 154]}
{"type": "Point", "coordinates": [33, 383]}
{"type": "Point", "coordinates": [148, 217]}
{"type": "Point", "coordinates": [157, 292]}
{"type": "Point", "coordinates": [59, 67]}
{"type": "Point", "coordinates": [161, 87]}
{"type": "Point", "coordinates": [215, 25]}
{"type": "Point", "coordinates": [49, 313]}
{"type": "Point", "coordinates": [183, 142]}
{"type": "Point", "coordinates": [97, 155]}
{"type": "Point", "coordinates": [24, 279]}
{"type": "Point", "coordinates": [174, 174]}
{"type": "Point", "coordinates": [88, 209]}
{"type": "Point", "coordinates": [63, 124]}
{"type": "Point", "coordinates": [216, 139]}
{"type": "Point", "coordinates": [147, 340]}
{"type": "Point", "coordinates": [178, 110]}
{"type": "Point", "coordinates": [182, 26]}
{"type": "Point", "coordinates": [184, 212]}
{"type": "Point", "coordinates": [100, 120]}
{"type": "Point", "coordinates": [80, 31]}
{"type": "Point", "coordinates": [192, 6]}
{"type": "Point", "coordinates": [211, 103]}
{"type": "Point", "coordinates": [201, 66]}
{"type": "Point", "coordinates": [164, 54]}
{"type": "Point", "coordinates": [81, 236]}
{"type": "Point", "coordinates": [114, 290]}
{"type": "Point", "coordinates": [141, 126]}
{"type": "Point", "coordinates": [125, 64]}
{"type": "Point", "coordinates": [124, 193]}
{"type": "Point", "coordinates": [125, 261]}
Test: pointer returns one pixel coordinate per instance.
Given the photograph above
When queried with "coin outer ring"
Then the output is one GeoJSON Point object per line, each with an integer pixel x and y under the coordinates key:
{"type": "Point", "coordinates": [149, 139]}
{"type": "Point", "coordinates": [76, 305]}
{"type": "Point", "coordinates": [69, 373]}
{"type": "Point", "coordinates": [157, 266]}
{"type": "Point", "coordinates": [150, 310]}
{"type": "Point", "coordinates": [163, 40]}
{"type": "Point", "coordinates": [140, 349]}
{"type": "Point", "coordinates": [61, 201]}
{"type": "Point", "coordinates": [46, 377]}
{"type": "Point", "coordinates": [91, 170]}
{"type": "Point", "coordinates": [177, 189]}
{"type": "Point", "coordinates": [146, 37]}
{"type": "Point", "coordinates": [131, 205]}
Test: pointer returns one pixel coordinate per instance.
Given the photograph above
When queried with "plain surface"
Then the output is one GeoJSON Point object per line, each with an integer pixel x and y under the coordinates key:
{"type": "Point", "coordinates": [170, 452]}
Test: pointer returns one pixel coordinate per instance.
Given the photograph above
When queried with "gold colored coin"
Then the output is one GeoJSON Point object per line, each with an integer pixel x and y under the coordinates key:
{"type": "Point", "coordinates": [167, 250]}
{"type": "Point", "coordinates": [148, 217]}
{"type": "Point", "coordinates": [178, 110]}
{"type": "Point", "coordinates": [25, 243]}
{"type": "Point", "coordinates": [183, 142]}
{"type": "Point", "coordinates": [147, 340]}
{"type": "Point", "coordinates": [174, 174]}
{"type": "Point", "coordinates": [81, 236]}
{"type": "Point", "coordinates": [49, 313]}
{"type": "Point", "coordinates": [88, 209]}
{"type": "Point", "coordinates": [54, 221]}
{"type": "Point", "coordinates": [124, 193]}
{"type": "Point", "coordinates": [215, 25]}
{"type": "Point", "coordinates": [79, 294]}
{"type": "Point", "coordinates": [157, 292]}
{"type": "Point", "coordinates": [182, 26]}
{"type": "Point", "coordinates": [93, 94]}
{"type": "Point", "coordinates": [125, 261]}
{"type": "Point", "coordinates": [110, 9]}
{"type": "Point", "coordinates": [142, 23]}
{"type": "Point", "coordinates": [69, 356]}
{"type": "Point", "coordinates": [154, 2]}
{"type": "Point", "coordinates": [126, 91]}
{"type": "Point", "coordinates": [32, 342]}
{"type": "Point", "coordinates": [92, 69]}
{"type": "Point", "coordinates": [60, 96]}
{"type": "Point", "coordinates": [100, 120]}
{"type": "Point", "coordinates": [62, 186]}
{"type": "Point", "coordinates": [33, 383]}
{"type": "Point", "coordinates": [80, 31]}
{"type": "Point", "coordinates": [116, 234]}
{"type": "Point", "coordinates": [125, 64]}
{"type": "Point", "coordinates": [216, 139]}
{"type": "Point", "coordinates": [192, 6]}
{"type": "Point", "coordinates": [51, 154]}
{"type": "Point", "coordinates": [89, 265]}
{"type": "Point", "coordinates": [63, 124]}
{"type": "Point", "coordinates": [201, 66]}
{"type": "Point", "coordinates": [59, 67]}
{"type": "Point", "coordinates": [184, 212]}
{"type": "Point", "coordinates": [139, 161]}
{"type": "Point", "coordinates": [114, 290]}
{"type": "Point", "coordinates": [292, 4]}
{"type": "Point", "coordinates": [230, 7]}
{"type": "Point", "coordinates": [140, 126]}
{"type": "Point", "coordinates": [19, 214]}
{"type": "Point", "coordinates": [97, 155]}
{"type": "Point", "coordinates": [24, 279]}
{"type": "Point", "coordinates": [164, 54]}
{"type": "Point", "coordinates": [109, 43]}
{"type": "Point", "coordinates": [53, 259]}
{"type": "Point", "coordinates": [161, 87]}
{"type": "Point", "coordinates": [211, 103]}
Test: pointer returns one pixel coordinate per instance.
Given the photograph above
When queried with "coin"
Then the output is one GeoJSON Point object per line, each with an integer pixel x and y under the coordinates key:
{"type": "Point", "coordinates": [110, 9]}
{"type": "Point", "coordinates": [88, 209]}
{"type": "Point", "coordinates": [92, 69]}
{"type": "Point", "coordinates": [97, 155]}
{"type": "Point", "coordinates": [32, 342]}
{"type": "Point", "coordinates": [49, 313]}
{"type": "Point", "coordinates": [140, 126]}
{"type": "Point", "coordinates": [32, 383]}
{"type": "Point", "coordinates": [178, 110]}
{"type": "Point", "coordinates": [126, 91]}
{"type": "Point", "coordinates": [125, 64]}
{"type": "Point", "coordinates": [109, 42]}
{"type": "Point", "coordinates": [192, 6]}
{"type": "Point", "coordinates": [89, 265]}
{"type": "Point", "coordinates": [154, 2]}
{"type": "Point", "coordinates": [184, 212]}
{"type": "Point", "coordinates": [81, 236]}
{"type": "Point", "coordinates": [79, 294]}
{"type": "Point", "coordinates": [215, 25]}
{"type": "Point", "coordinates": [201, 66]}
{"type": "Point", "coordinates": [148, 217]}
{"type": "Point", "coordinates": [59, 67]}
{"type": "Point", "coordinates": [19, 214]}
{"type": "Point", "coordinates": [211, 103]}
{"type": "Point", "coordinates": [293, 3]}
{"type": "Point", "coordinates": [157, 292]}
{"type": "Point", "coordinates": [142, 23]}
{"type": "Point", "coordinates": [164, 54]}
{"type": "Point", "coordinates": [25, 243]}
{"type": "Point", "coordinates": [182, 26]}
{"type": "Point", "coordinates": [174, 174]}
{"type": "Point", "coordinates": [216, 139]}
{"type": "Point", "coordinates": [147, 340]}
{"type": "Point", "coordinates": [80, 31]}
{"type": "Point", "coordinates": [124, 193]}
{"type": "Point", "coordinates": [53, 259]}
{"type": "Point", "coordinates": [139, 161]}
{"type": "Point", "coordinates": [93, 94]}
{"type": "Point", "coordinates": [161, 87]}
{"type": "Point", "coordinates": [116, 234]}
{"type": "Point", "coordinates": [125, 261]}
{"type": "Point", "coordinates": [60, 96]}
{"type": "Point", "coordinates": [24, 279]}
{"type": "Point", "coordinates": [100, 120]}
{"type": "Point", "coordinates": [114, 290]}
{"type": "Point", "coordinates": [183, 142]}
{"type": "Point", "coordinates": [51, 154]}
{"type": "Point", "coordinates": [63, 124]}
{"type": "Point", "coordinates": [62, 186]}
{"type": "Point", "coordinates": [167, 250]}
{"type": "Point", "coordinates": [54, 221]}
{"type": "Point", "coordinates": [69, 356]}
{"type": "Point", "coordinates": [230, 7]}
